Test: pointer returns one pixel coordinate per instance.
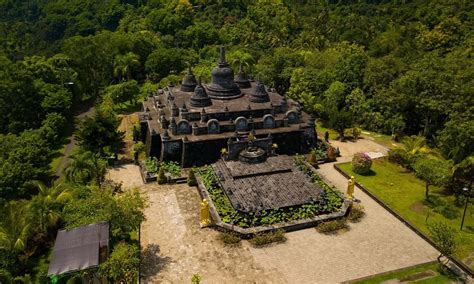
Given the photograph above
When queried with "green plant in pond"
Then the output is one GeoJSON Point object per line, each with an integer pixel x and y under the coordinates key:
{"type": "Point", "coordinates": [173, 168]}
{"type": "Point", "coordinates": [151, 165]}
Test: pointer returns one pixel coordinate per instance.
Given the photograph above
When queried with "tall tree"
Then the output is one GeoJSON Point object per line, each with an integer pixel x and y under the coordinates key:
{"type": "Point", "coordinates": [125, 64]}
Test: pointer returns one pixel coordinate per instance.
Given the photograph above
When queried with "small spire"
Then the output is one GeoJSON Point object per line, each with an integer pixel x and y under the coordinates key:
{"type": "Point", "coordinates": [222, 54]}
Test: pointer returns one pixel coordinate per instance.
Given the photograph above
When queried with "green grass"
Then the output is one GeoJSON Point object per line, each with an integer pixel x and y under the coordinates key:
{"type": "Point", "coordinates": [405, 194]}
{"type": "Point", "coordinates": [439, 278]}
{"type": "Point", "coordinates": [383, 139]}
{"type": "Point", "coordinates": [56, 157]}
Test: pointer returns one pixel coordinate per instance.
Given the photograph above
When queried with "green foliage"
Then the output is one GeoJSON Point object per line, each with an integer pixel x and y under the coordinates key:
{"type": "Point", "coordinates": [86, 167]}
{"type": "Point", "coordinates": [331, 227]}
{"type": "Point", "coordinates": [99, 132]}
{"type": "Point", "coordinates": [230, 238]}
{"type": "Point", "coordinates": [173, 168]}
{"type": "Point", "coordinates": [191, 180]}
{"type": "Point", "coordinates": [23, 158]}
{"type": "Point", "coordinates": [124, 211]}
{"type": "Point", "coordinates": [122, 265]}
{"type": "Point", "coordinates": [151, 165]}
{"type": "Point", "coordinates": [361, 163]}
{"type": "Point", "coordinates": [196, 279]}
{"type": "Point", "coordinates": [262, 239]}
{"type": "Point", "coordinates": [123, 92]}
{"type": "Point", "coordinates": [161, 176]}
{"type": "Point", "coordinates": [139, 147]}
{"type": "Point", "coordinates": [356, 213]}
{"type": "Point", "coordinates": [433, 171]}
{"type": "Point", "coordinates": [445, 238]}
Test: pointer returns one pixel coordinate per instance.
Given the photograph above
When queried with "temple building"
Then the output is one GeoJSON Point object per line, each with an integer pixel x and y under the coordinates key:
{"type": "Point", "coordinates": [193, 122]}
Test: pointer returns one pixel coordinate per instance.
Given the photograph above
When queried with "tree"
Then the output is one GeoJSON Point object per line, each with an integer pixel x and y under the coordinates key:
{"type": "Point", "coordinates": [445, 238]}
{"type": "Point", "coordinates": [340, 120]}
{"type": "Point", "coordinates": [125, 64]}
{"type": "Point", "coordinates": [124, 211]}
{"type": "Point", "coordinates": [45, 208]}
{"type": "Point", "coordinates": [433, 171]}
{"type": "Point", "coordinates": [122, 265]}
{"type": "Point", "coordinates": [100, 131]}
{"type": "Point", "coordinates": [123, 92]}
{"type": "Point", "coordinates": [86, 167]}
{"type": "Point", "coordinates": [240, 58]}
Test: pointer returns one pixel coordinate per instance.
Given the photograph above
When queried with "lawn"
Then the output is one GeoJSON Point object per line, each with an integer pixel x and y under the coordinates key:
{"type": "Point", "coordinates": [410, 271]}
{"type": "Point", "coordinates": [405, 194]}
{"type": "Point", "coordinates": [383, 139]}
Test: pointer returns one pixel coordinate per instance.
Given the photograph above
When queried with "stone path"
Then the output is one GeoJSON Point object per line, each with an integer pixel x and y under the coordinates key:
{"type": "Point", "coordinates": [174, 247]}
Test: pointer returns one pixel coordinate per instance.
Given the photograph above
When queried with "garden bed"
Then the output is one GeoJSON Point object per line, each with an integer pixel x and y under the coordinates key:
{"type": "Point", "coordinates": [333, 206]}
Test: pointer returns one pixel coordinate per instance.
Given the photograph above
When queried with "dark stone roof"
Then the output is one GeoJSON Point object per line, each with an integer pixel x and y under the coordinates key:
{"type": "Point", "coordinates": [78, 249]}
{"type": "Point", "coordinates": [275, 183]}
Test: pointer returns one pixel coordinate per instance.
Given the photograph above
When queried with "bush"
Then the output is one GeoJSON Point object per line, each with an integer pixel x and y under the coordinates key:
{"type": "Point", "coordinates": [230, 238]}
{"type": "Point", "coordinates": [192, 178]}
{"type": "Point", "coordinates": [331, 154]}
{"type": "Point", "coordinates": [173, 168]}
{"type": "Point", "coordinates": [312, 159]}
{"type": "Point", "coordinates": [361, 163]}
{"type": "Point", "coordinates": [398, 156]}
{"type": "Point", "coordinates": [356, 213]}
{"type": "Point", "coordinates": [332, 226]}
{"type": "Point", "coordinates": [356, 132]}
{"type": "Point", "coordinates": [139, 147]}
{"type": "Point", "coordinates": [161, 176]}
{"type": "Point", "coordinates": [262, 239]}
{"type": "Point", "coordinates": [151, 165]}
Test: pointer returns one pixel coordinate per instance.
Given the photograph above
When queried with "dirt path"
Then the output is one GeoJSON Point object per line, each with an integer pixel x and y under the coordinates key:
{"type": "Point", "coordinates": [72, 143]}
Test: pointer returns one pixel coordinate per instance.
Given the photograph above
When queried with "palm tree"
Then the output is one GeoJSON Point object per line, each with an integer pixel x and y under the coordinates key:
{"type": "Point", "coordinates": [240, 58]}
{"type": "Point", "coordinates": [86, 167]}
{"type": "Point", "coordinates": [124, 64]}
{"type": "Point", "coordinates": [45, 208]}
{"type": "Point", "coordinates": [15, 227]}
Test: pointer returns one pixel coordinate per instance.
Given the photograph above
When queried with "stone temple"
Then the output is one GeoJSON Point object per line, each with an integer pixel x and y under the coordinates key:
{"type": "Point", "coordinates": [193, 122]}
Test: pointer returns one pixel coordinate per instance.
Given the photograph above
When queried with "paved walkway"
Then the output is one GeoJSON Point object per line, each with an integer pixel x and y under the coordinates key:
{"type": "Point", "coordinates": [174, 247]}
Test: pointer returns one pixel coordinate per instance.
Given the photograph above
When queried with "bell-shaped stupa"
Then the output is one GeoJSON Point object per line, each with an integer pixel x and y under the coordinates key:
{"type": "Point", "coordinates": [222, 84]}
{"type": "Point", "coordinates": [260, 95]}
{"type": "Point", "coordinates": [189, 81]}
{"type": "Point", "coordinates": [200, 97]}
{"type": "Point", "coordinates": [241, 79]}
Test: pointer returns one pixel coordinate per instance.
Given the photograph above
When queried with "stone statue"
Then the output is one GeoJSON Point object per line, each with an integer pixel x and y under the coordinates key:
{"type": "Point", "coordinates": [205, 214]}
{"type": "Point", "coordinates": [350, 187]}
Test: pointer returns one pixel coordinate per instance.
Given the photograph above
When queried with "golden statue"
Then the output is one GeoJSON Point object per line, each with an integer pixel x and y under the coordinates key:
{"type": "Point", "coordinates": [205, 214]}
{"type": "Point", "coordinates": [350, 187]}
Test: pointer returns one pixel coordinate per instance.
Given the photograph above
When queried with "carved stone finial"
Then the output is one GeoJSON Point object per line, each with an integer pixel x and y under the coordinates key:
{"type": "Point", "coordinates": [222, 54]}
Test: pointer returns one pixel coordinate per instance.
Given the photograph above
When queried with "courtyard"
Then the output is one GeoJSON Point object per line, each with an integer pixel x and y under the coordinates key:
{"type": "Point", "coordinates": [174, 247]}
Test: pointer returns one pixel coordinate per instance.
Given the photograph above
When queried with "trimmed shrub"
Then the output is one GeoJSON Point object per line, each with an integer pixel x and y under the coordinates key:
{"type": "Point", "coordinates": [361, 163]}
{"type": "Point", "coordinates": [262, 239]}
{"type": "Point", "coordinates": [356, 131]}
{"type": "Point", "coordinates": [161, 176]}
{"type": "Point", "coordinates": [331, 154]}
{"type": "Point", "coordinates": [333, 226]}
{"type": "Point", "coordinates": [312, 159]}
{"type": "Point", "coordinates": [356, 213]}
{"type": "Point", "coordinates": [230, 238]}
{"type": "Point", "coordinates": [192, 178]}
